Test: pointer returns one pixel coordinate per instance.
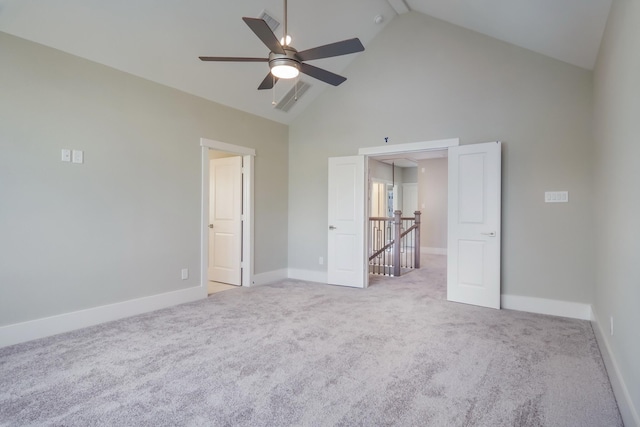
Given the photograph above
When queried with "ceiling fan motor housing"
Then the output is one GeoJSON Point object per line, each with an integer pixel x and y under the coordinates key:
{"type": "Point", "coordinates": [288, 58]}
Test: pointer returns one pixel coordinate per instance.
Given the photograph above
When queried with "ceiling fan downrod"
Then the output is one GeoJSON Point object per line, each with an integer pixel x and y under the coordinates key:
{"type": "Point", "coordinates": [284, 38]}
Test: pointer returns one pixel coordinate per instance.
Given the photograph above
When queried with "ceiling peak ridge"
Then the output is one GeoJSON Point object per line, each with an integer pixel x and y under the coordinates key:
{"type": "Point", "coordinates": [400, 6]}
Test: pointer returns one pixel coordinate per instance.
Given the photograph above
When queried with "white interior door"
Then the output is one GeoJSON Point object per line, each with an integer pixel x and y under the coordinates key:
{"type": "Point", "coordinates": [225, 220]}
{"type": "Point", "coordinates": [473, 264]}
{"type": "Point", "coordinates": [346, 237]}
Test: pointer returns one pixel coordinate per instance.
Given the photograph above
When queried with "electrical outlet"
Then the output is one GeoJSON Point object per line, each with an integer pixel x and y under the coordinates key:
{"type": "Point", "coordinates": [185, 273]}
{"type": "Point", "coordinates": [321, 260]}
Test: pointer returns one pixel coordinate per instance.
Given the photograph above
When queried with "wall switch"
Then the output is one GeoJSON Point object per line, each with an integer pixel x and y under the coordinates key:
{"type": "Point", "coordinates": [185, 273]}
{"type": "Point", "coordinates": [321, 260]}
{"type": "Point", "coordinates": [77, 156]}
{"type": "Point", "coordinates": [556, 197]}
{"type": "Point", "coordinates": [66, 155]}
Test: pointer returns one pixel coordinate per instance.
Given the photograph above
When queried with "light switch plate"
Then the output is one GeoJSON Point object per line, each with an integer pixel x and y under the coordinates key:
{"type": "Point", "coordinates": [66, 155]}
{"type": "Point", "coordinates": [77, 156]}
{"type": "Point", "coordinates": [556, 197]}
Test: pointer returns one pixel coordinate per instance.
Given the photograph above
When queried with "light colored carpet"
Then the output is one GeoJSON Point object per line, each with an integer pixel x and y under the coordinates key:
{"type": "Point", "coordinates": [305, 354]}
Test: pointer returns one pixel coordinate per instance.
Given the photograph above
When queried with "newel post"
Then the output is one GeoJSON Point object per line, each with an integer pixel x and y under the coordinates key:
{"type": "Point", "coordinates": [397, 230]}
{"type": "Point", "coordinates": [416, 249]}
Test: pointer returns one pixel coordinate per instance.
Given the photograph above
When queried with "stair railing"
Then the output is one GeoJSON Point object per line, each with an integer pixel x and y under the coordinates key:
{"type": "Point", "coordinates": [387, 257]}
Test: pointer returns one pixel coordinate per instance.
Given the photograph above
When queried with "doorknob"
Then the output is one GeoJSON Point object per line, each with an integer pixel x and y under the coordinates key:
{"type": "Point", "coordinates": [210, 225]}
{"type": "Point", "coordinates": [490, 234]}
{"type": "Point", "coordinates": [331, 227]}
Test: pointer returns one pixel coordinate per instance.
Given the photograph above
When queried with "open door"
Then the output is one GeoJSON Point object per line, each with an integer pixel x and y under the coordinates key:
{"type": "Point", "coordinates": [225, 220]}
{"type": "Point", "coordinates": [346, 256]}
{"type": "Point", "coordinates": [473, 264]}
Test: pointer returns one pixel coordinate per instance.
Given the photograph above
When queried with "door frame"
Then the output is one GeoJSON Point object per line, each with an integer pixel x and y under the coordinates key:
{"type": "Point", "coordinates": [411, 147]}
{"type": "Point", "coordinates": [248, 155]}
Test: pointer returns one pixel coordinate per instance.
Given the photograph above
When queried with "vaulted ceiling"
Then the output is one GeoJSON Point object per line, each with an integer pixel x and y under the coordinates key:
{"type": "Point", "coordinates": [161, 40]}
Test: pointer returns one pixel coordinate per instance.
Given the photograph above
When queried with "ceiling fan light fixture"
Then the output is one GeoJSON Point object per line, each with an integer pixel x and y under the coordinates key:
{"type": "Point", "coordinates": [285, 68]}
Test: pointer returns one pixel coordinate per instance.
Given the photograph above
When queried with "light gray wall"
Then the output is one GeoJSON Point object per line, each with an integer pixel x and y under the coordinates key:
{"type": "Point", "coordinates": [453, 82]}
{"type": "Point", "coordinates": [433, 179]}
{"type": "Point", "coordinates": [617, 202]}
{"type": "Point", "coordinates": [409, 175]}
{"type": "Point", "coordinates": [380, 171]}
{"type": "Point", "coordinates": [124, 223]}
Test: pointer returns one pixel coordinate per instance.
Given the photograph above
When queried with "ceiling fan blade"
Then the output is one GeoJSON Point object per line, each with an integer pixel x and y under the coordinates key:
{"type": "Point", "coordinates": [320, 74]}
{"type": "Point", "coordinates": [232, 59]}
{"type": "Point", "coordinates": [268, 82]}
{"type": "Point", "coordinates": [344, 47]}
{"type": "Point", "coordinates": [264, 33]}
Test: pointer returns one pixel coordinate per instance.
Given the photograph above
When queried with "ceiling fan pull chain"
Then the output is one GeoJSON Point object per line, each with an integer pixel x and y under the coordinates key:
{"type": "Point", "coordinates": [273, 91]}
{"type": "Point", "coordinates": [295, 85]}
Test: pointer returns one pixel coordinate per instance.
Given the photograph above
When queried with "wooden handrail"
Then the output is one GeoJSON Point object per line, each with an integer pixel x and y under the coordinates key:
{"type": "Point", "coordinates": [384, 248]}
{"type": "Point", "coordinates": [388, 245]}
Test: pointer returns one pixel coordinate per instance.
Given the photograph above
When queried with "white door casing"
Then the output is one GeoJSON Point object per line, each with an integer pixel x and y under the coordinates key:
{"type": "Point", "coordinates": [473, 264]}
{"type": "Point", "coordinates": [346, 258]}
{"type": "Point", "coordinates": [225, 220]}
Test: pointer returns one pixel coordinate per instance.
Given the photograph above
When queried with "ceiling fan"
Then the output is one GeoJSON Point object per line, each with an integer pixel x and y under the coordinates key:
{"type": "Point", "coordinates": [286, 62]}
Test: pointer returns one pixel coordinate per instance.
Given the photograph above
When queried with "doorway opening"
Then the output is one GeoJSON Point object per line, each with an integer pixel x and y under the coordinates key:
{"type": "Point", "coordinates": [408, 156]}
{"type": "Point", "coordinates": [473, 218]}
{"type": "Point", "coordinates": [225, 221]}
{"type": "Point", "coordinates": [227, 215]}
{"type": "Point", "coordinates": [412, 182]}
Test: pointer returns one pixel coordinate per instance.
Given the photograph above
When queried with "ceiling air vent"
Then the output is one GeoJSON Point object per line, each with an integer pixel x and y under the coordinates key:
{"type": "Point", "coordinates": [289, 100]}
{"type": "Point", "coordinates": [270, 20]}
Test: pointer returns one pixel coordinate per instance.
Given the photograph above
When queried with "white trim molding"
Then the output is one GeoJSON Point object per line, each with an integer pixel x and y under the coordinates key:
{"type": "Point", "coordinates": [308, 275]}
{"type": "Point", "coordinates": [409, 147]}
{"type": "Point", "coordinates": [574, 310]}
{"type": "Point", "coordinates": [229, 148]}
{"type": "Point", "coordinates": [269, 277]}
{"type": "Point", "coordinates": [47, 326]}
{"type": "Point", "coordinates": [627, 409]}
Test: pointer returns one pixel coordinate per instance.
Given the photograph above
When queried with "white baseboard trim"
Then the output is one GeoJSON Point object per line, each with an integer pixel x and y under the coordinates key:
{"type": "Point", "coordinates": [308, 275]}
{"type": "Point", "coordinates": [628, 411]}
{"type": "Point", "coordinates": [433, 251]}
{"type": "Point", "coordinates": [574, 310]}
{"type": "Point", "coordinates": [47, 326]}
{"type": "Point", "coordinates": [270, 277]}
